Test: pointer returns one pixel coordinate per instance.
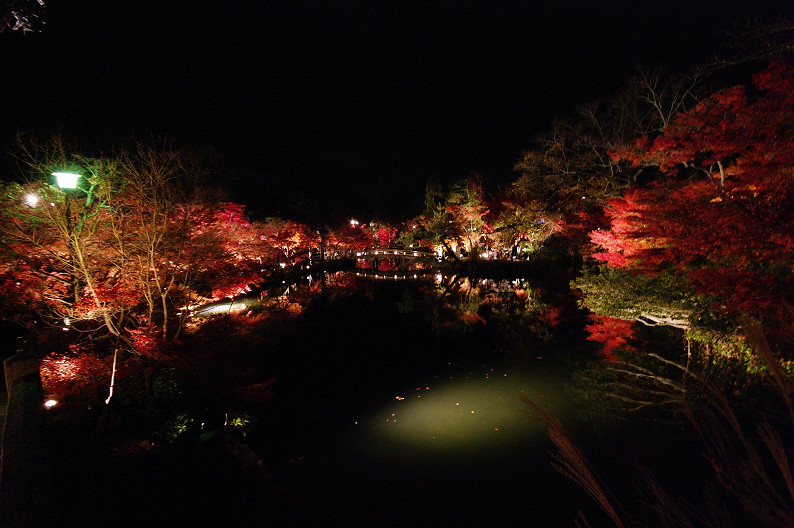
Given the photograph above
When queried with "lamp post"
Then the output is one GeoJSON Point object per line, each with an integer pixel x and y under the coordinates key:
{"type": "Point", "coordinates": [68, 181]}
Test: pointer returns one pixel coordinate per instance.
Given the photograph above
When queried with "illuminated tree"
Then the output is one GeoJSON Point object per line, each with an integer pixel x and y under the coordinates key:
{"type": "Point", "coordinates": [569, 169]}
{"type": "Point", "coordinates": [663, 299]}
{"type": "Point", "coordinates": [522, 225]}
{"type": "Point", "coordinates": [57, 237]}
{"type": "Point", "coordinates": [346, 240]}
{"type": "Point", "coordinates": [385, 234]}
{"type": "Point", "coordinates": [292, 240]}
{"type": "Point", "coordinates": [137, 241]}
{"type": "Point", "coordinates": [467, 209]}
{"type": "Point", "coordinates": [161, 229]}
{"type": "Point", "coordinates": [435, 231]}
{"type": "Point", "coordinates": [728, 234]}
{"type": "Point", "coordinates": [456, 222]}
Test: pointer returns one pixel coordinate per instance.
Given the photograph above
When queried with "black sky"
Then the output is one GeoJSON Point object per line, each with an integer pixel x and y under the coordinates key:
{"type": "Point", "coordinates": [350, 104]}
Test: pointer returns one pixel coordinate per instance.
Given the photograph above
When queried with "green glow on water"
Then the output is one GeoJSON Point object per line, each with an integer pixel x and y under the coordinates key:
{"type": "Point", "coordinates": [478, 411]}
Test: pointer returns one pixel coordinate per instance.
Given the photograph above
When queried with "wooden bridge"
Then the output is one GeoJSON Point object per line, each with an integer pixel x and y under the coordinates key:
{"type": "Point", "coordinates": [388, 253]}
{"type": "Point", "coordinates": [394, 275]}
{"type": "Point", "coordinates": [400, 257]}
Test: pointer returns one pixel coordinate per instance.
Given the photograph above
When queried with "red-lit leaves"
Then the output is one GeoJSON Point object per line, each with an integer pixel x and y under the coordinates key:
{"type": "Point", "coordinates": [148, 342]}
{"type": "Point", "coordinates": [634, 238]}
{"type": "Point", "coordinates": [613, 334]}
{"type": "Point", "coordinates": [731, 232]}
{"type": "Point", "coordinates": [77, 374]}
{"type": "Point", "coordinates": [386, 235]}
{"type": "Point", "coordinates": [730, 128]}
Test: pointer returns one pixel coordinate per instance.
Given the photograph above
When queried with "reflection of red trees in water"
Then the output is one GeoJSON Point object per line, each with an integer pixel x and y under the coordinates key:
{"type": "Point", "coordinates": [613, 334]}
{"type": "Point", "coordinates": [553, 315]}
{"type": "Point", "coordinates": [221, 356]}
{"type": "Point", "coordinates": [387, 265]}
{"type": "Point", "coordinates": [383, 265]}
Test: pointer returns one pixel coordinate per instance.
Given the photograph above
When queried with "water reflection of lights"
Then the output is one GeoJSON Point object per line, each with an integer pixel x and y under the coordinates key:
{"type": "Point", "coordinates": [219, 307]}
{"type": "Point", "coordinates": [479, 411]}
{"type": "Point", "coordinates": [389, 276]}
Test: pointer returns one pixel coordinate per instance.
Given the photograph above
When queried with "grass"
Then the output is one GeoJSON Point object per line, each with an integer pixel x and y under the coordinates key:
{"type": "Point", "coordinates": [746, 445]}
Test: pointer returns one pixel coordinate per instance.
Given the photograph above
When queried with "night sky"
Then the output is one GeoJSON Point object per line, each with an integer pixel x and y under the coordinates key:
{"type": "Point", "coordinates": [341, 107]}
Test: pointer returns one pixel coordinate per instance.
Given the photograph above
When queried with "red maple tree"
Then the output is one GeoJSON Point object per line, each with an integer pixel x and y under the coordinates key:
{"type": "Point", "coordinates": [730, 232]}
{"type": "Point", "coordinates": [613, 334]}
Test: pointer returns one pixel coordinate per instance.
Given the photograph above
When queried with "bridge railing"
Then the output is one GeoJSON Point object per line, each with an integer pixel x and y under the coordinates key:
{"type": "Point", "coordinates": [391, 252]}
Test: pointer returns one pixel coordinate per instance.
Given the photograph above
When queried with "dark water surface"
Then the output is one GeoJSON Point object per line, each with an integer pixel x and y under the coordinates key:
{"type": "Point", "coordinates": [394, 403]}
{"type": "Point", "coordinates": [390, 410]}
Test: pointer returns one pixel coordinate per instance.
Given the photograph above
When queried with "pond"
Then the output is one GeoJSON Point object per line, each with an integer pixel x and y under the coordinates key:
{"type": "Point", "coordinates": [394, 401]}
{"type": "Point", "coordinates": [398, 402]}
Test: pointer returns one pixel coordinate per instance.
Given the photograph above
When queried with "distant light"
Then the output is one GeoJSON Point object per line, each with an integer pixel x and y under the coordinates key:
{"type": "Point", "coordinates": [283, 265]}
{"type": "Point", "coordinates": [50, 403]}
{"type": "Point", "coordinates": [66, 180]}
{"type": "Point", "coordinates": [32, 200]}
{"type": "Point", "coordinates": [353, 222]}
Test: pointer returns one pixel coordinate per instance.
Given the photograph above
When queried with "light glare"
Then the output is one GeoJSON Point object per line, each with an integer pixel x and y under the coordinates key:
{"type": "Point", "coordinates": [66, 180]}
